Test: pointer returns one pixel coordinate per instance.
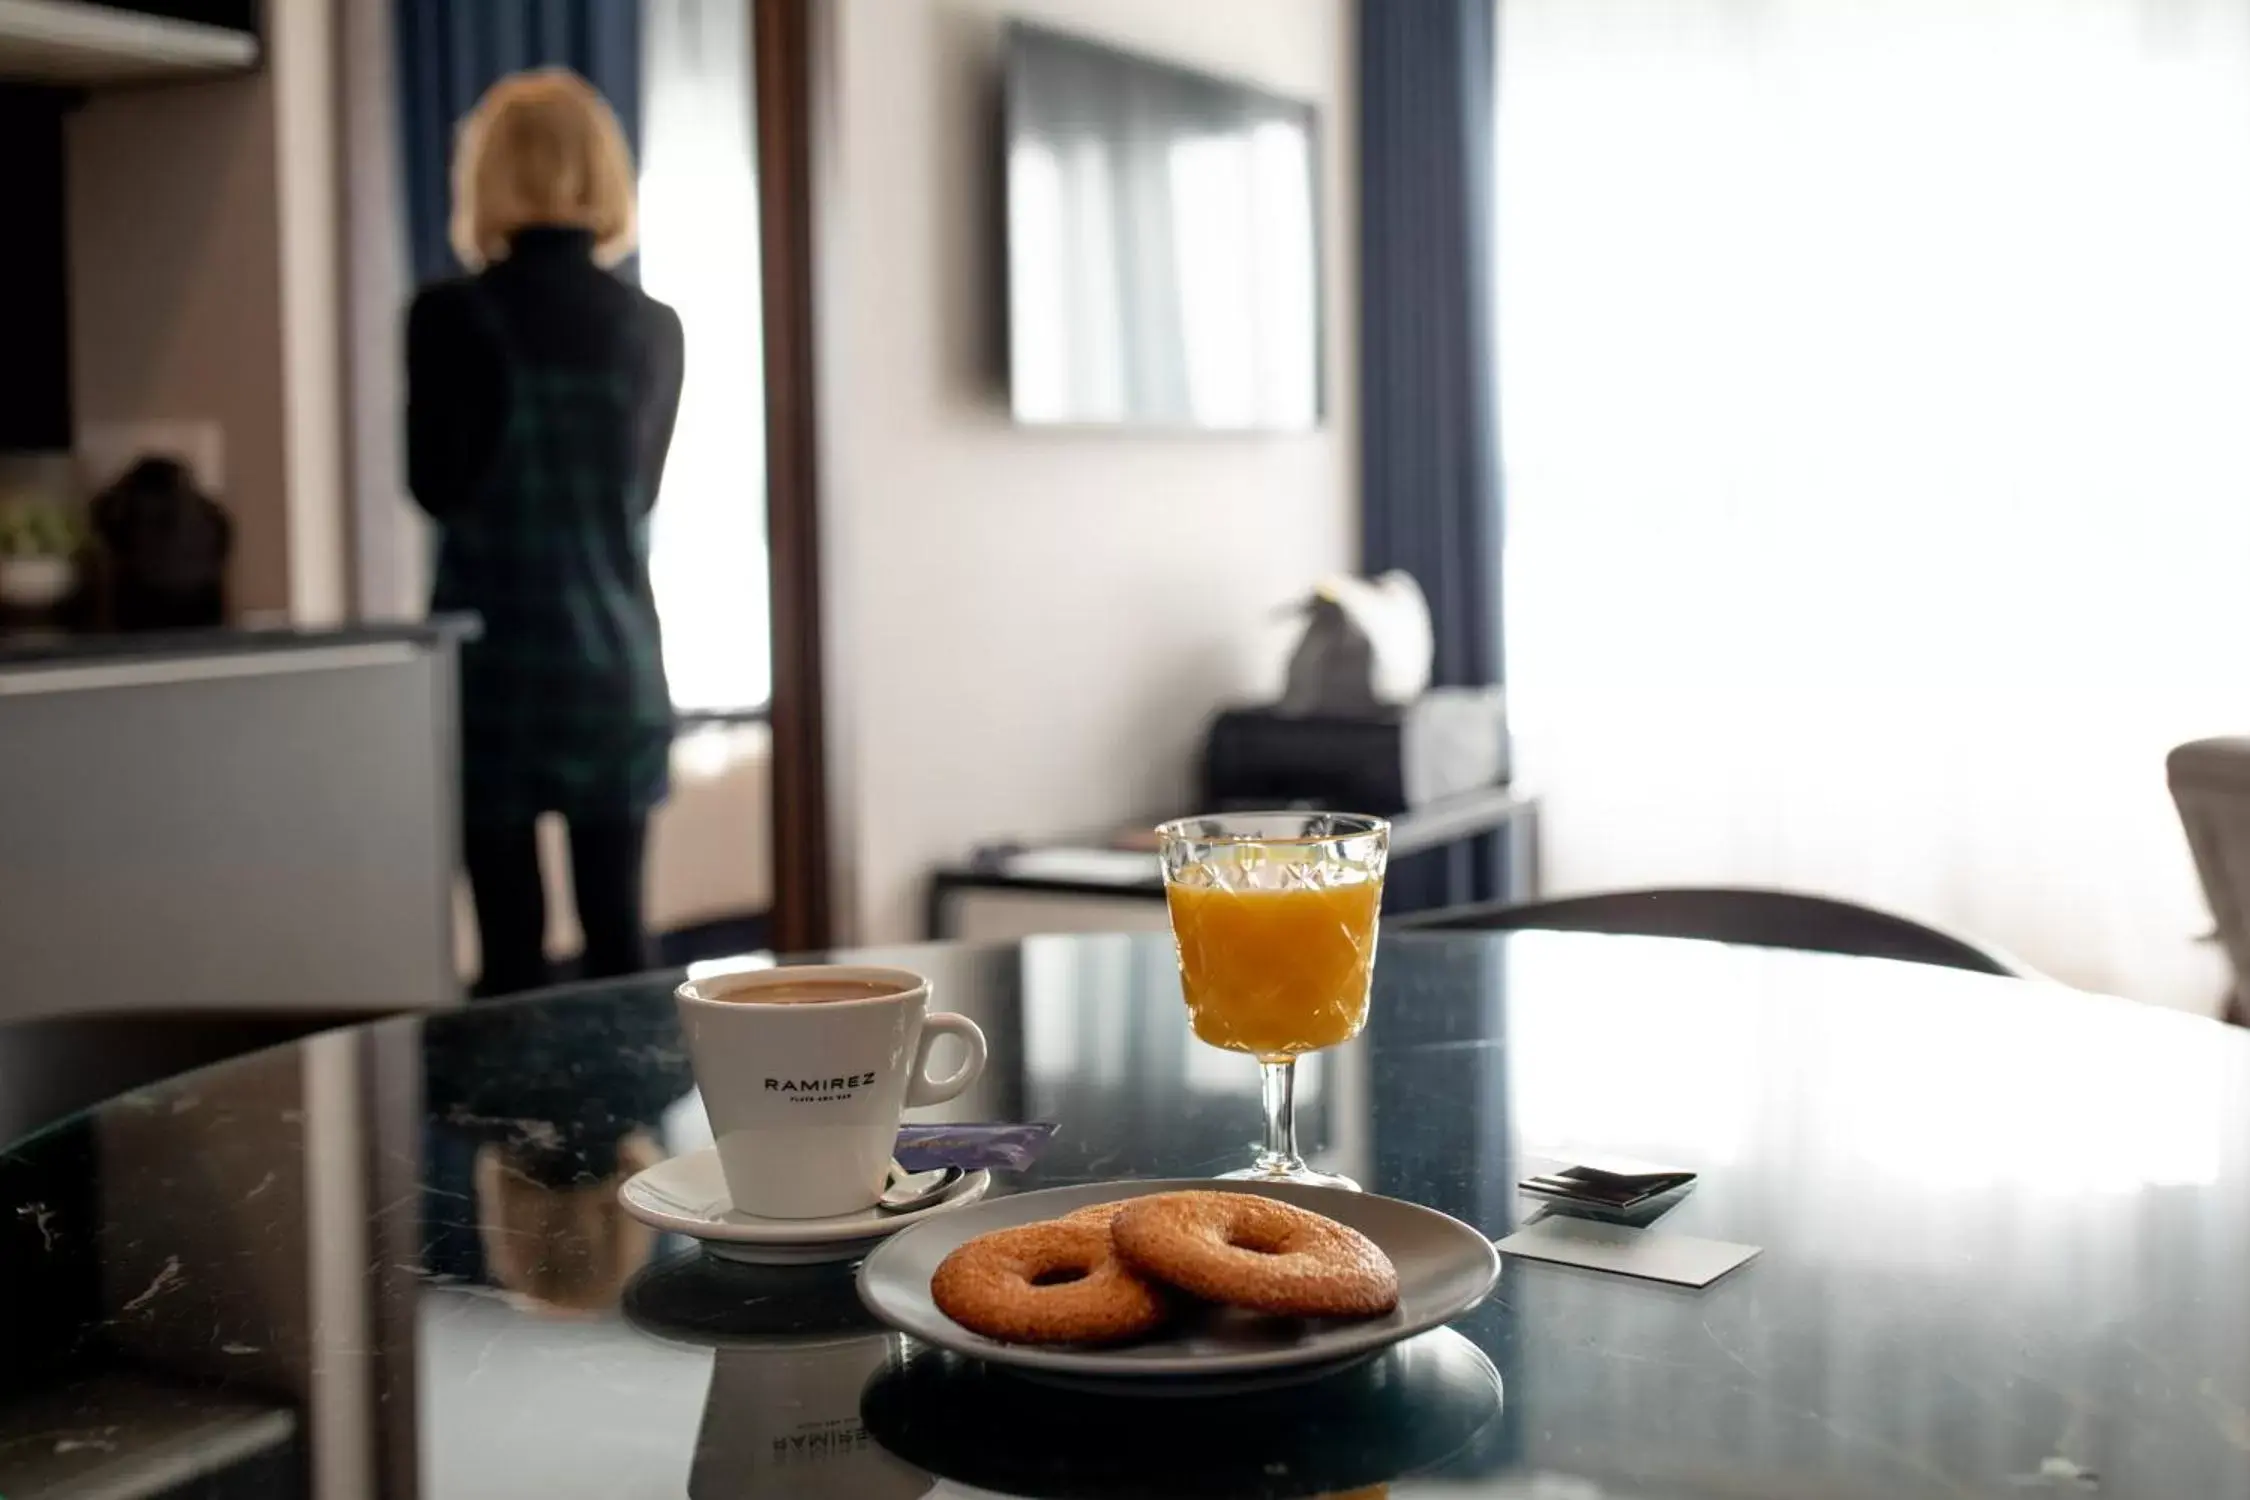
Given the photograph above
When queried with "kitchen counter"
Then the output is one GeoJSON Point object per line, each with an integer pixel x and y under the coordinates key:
{"type": "Point", "coordinates": [55, 649]}
{"type": "Point", "coordinates": [229, 823]}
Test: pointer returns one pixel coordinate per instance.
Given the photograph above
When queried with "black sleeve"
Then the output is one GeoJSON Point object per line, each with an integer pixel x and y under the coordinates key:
{"type": "Point", "coordinates": [454, 402]}
{"type": "Point", "coordinates": [667, 369]}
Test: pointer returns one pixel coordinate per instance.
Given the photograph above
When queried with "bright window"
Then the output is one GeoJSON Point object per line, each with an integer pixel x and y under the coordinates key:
{"type": "Point", "coordinates": [699, 252]}
{"type": "Point", "coordinates": [1873, 380]}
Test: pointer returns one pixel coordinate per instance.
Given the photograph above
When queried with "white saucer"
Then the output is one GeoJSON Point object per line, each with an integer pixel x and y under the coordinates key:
{"type": "Point", "coordinates": [688, 1195]}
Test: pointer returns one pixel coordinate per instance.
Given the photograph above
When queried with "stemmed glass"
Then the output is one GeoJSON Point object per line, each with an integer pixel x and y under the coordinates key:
{"type": "Point", "coordinates": [1274, 915]}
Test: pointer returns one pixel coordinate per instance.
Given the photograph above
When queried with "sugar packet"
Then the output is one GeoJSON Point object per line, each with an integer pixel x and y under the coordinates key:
{"type": "Point", "coordinates": [997, 1147]}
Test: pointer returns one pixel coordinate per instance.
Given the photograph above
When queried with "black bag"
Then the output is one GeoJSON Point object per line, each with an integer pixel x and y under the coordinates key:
{"type": "Point", "coordinates": [168, 544]}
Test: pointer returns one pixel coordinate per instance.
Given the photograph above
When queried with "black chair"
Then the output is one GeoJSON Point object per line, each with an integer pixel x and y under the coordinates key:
{"type": "Point", "coordinates": [2210, 782]}
{"type": "Point", "coordinates": [1729, 914]}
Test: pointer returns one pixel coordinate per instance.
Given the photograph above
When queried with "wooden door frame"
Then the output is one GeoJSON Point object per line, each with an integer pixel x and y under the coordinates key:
{"type": "Point", "coordinates": [783, 42]}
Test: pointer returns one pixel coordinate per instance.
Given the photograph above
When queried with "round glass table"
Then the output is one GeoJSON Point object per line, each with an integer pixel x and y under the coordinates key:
{"type": "Point", "coordinates": [2005, 1231]}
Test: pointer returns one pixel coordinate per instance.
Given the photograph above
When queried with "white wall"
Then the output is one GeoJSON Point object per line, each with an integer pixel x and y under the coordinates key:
{"type": "Point", "coordinates": [301, 54]}
{"type": "Point", "coordinates": [390, 540]}
{"type": "Point", "coordinates": [1027, 629]}
{"type": "Point", "coordinates": [174, 256]}
{"type": "Point", "coordinates": [203, 257]}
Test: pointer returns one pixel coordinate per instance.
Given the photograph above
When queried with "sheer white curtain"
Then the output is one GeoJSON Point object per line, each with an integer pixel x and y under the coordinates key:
{"type": "Point", "coordinates": [1875, 388]}
{"type": "Point", "coordinates": [699, 252]}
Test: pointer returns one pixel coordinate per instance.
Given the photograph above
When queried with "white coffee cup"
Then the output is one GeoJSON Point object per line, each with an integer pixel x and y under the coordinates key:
{"type": "Point", "coordinates": [804, 1092]}
{"type": "Point", "coordinates": [784, 1420]}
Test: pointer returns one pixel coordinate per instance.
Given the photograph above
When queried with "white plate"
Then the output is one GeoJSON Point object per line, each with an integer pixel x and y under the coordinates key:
{"type": "Point", "coordinates": [688, 1195]}
{"type": "Point", "coordinates": [1445, 1268]}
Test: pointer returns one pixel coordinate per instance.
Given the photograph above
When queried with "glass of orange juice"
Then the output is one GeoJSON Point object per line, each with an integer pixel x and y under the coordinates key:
{"type": "Point", "coordinates": [1274, 915]}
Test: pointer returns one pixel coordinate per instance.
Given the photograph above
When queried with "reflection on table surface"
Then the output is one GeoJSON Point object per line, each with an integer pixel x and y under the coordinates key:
{"type": "Point", "coordinates": [2005, 1227]}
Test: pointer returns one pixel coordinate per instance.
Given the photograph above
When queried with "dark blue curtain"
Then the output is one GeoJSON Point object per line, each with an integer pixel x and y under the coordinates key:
{"type": "Point", "coordinates": [451, 51]}
{"type": "Point", "coordinates": [1430, 452]}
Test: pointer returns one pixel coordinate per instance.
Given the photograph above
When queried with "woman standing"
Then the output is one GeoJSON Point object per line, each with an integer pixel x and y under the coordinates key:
{"type": "Point", "coordinates": [541, 392]}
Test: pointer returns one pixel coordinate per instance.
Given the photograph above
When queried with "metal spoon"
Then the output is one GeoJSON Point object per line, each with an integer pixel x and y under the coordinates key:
{"type": "Point", "coordinates": [909, 1191]}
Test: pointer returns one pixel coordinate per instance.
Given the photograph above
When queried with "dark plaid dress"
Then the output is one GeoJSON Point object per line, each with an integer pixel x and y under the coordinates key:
{"type": "Point", "coordinates": [564, 704]}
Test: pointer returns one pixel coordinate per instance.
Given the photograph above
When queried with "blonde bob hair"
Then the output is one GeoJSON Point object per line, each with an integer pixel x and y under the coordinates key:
{"type": "Point", "coordinates": [541, 148]}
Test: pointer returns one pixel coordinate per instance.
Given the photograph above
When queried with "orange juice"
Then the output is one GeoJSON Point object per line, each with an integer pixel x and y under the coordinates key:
{"type": "Point", "coordinates": [1276, 972]}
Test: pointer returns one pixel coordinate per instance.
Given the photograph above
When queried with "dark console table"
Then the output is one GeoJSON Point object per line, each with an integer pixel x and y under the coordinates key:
{"type": "Point", "coordinates": [1480, 846]}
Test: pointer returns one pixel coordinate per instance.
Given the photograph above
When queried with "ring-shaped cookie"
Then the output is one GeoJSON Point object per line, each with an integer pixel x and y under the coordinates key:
{"type": "Point", "coordinates": [1256, 1252]}
{"type": "Point", "coordinates": [1053, 1283]}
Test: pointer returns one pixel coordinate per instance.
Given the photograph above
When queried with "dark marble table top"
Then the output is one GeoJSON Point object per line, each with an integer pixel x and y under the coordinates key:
{"type": "Point", "coordinates": [2006, 1234]}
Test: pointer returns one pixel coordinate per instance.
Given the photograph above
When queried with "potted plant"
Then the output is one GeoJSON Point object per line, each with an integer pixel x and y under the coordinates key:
{"type": "Point", "coordinates": [39, 546]}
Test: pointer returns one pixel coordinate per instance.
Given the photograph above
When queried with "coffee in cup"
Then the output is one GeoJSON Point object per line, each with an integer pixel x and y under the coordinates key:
{"type": "Point", "coordinates": [804, 1072]}
{"type": "Point", "coordinates": [814, 991]}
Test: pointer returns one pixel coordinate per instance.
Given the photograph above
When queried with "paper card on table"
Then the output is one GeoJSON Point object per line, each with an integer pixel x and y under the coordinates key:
{"type": "Point", "coordinates": [1600, 1246]}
